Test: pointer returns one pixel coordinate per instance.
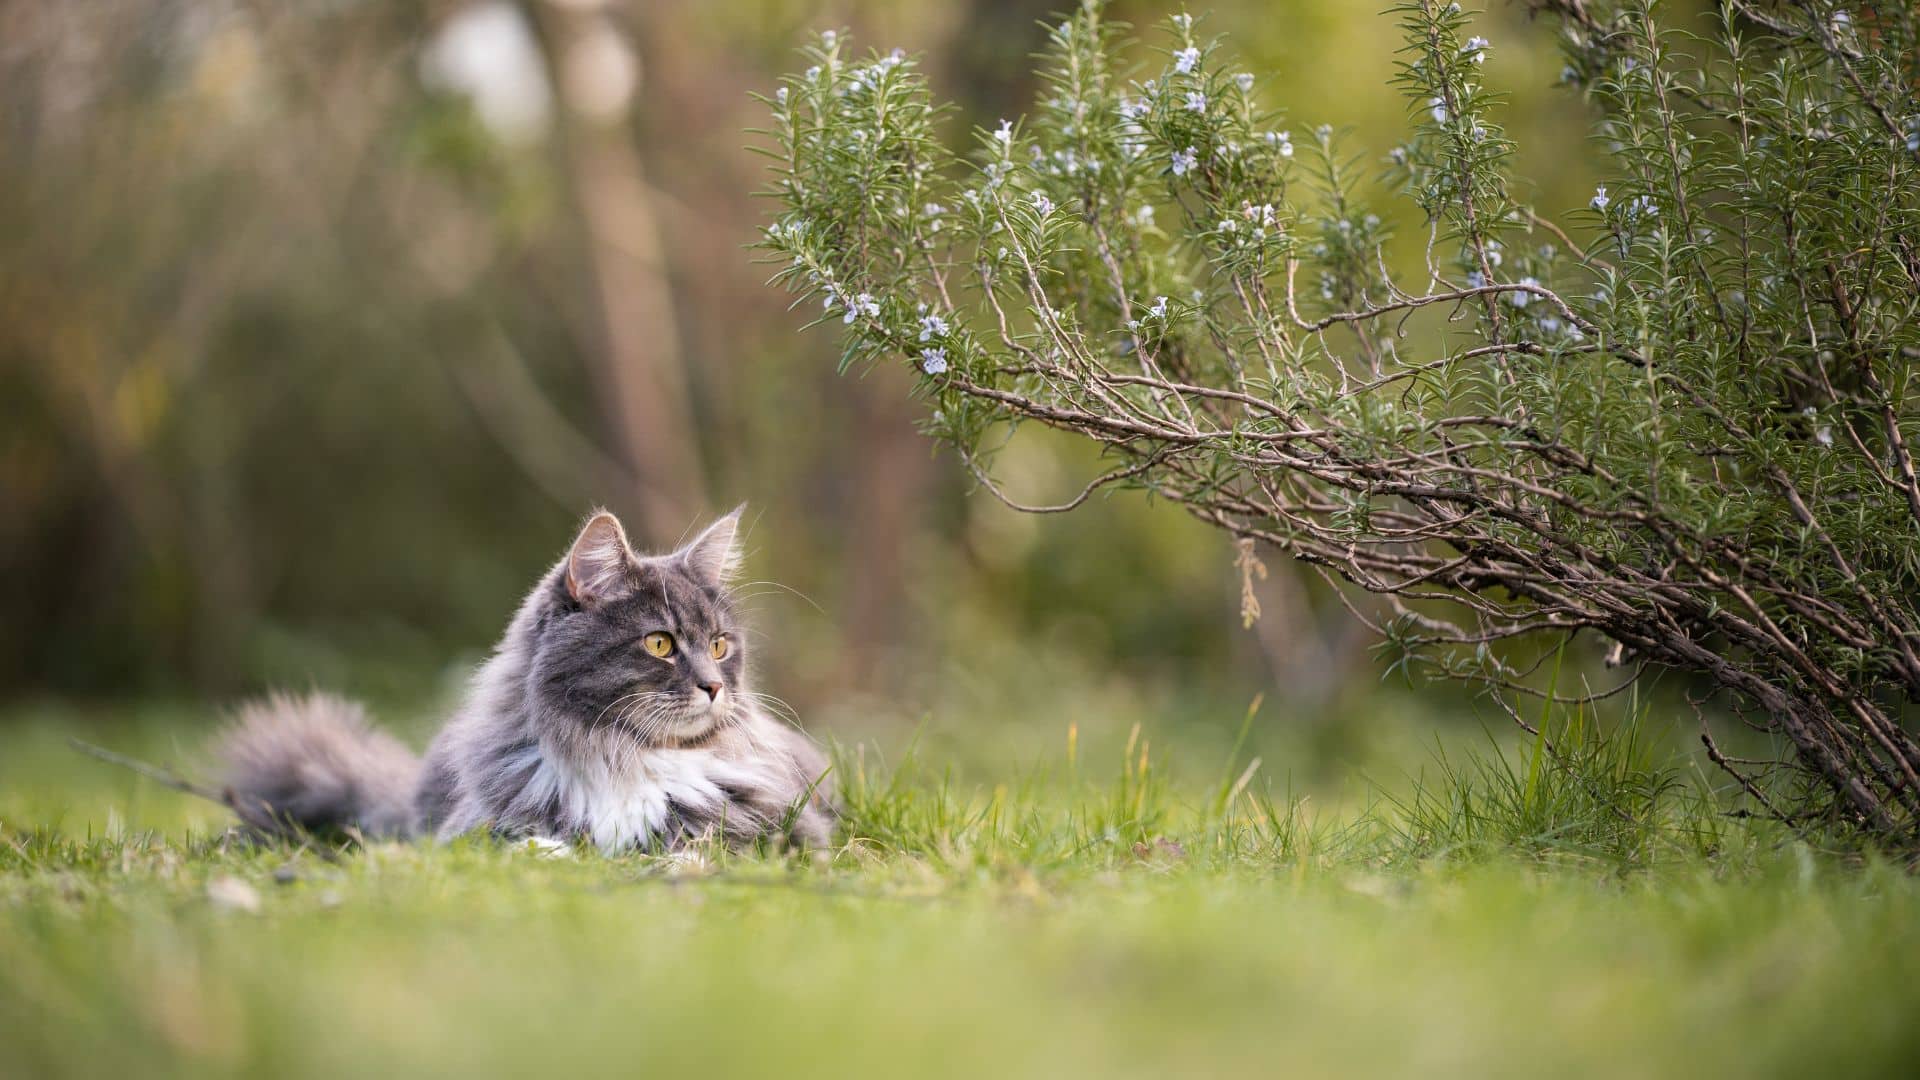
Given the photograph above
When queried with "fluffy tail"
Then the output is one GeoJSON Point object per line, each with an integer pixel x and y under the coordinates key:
{"type": "Point", "coordinates": [315, 763]}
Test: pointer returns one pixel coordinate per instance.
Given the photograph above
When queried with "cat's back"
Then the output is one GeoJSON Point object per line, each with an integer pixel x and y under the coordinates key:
{"type": "Point", "coordinates": [469, 756]}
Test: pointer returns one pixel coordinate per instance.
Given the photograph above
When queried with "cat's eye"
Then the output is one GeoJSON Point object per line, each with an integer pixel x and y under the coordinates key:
{"type": "Point", "coordinates": [658, 644]}
{"type": "Point", "coordinates": [720, 647]}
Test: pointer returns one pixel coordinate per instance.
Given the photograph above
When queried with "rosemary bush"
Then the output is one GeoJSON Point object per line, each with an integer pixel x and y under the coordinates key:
{"type": "Point", "coordinates": [1680, 420]}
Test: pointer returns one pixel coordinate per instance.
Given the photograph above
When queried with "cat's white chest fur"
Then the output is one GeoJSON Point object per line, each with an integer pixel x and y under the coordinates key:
{"type": "Point", "coordinates": [627, 803]}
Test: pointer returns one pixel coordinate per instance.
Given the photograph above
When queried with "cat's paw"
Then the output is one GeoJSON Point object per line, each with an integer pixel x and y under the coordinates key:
{"type": "Point", "coordinates": [546, 847]}
{"type": "Point", "coordinates": [686, 861]}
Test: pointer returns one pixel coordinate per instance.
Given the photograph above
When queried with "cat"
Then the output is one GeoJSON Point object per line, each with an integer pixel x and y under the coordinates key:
{"type": "Point", "coordinates": [615, 710]}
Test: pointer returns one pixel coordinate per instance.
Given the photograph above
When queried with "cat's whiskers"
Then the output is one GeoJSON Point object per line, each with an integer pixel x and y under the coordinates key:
{"type": "Point", "coordinates": [738, 592]}
{"type": "Point", "coordinates": [620, 753]}
{"type": "Point", "coordinates": [626, 702]}
{"type": "Point", "coordinates": [660, 714]}
{"type": "Point", "coordinates": [644, 715]}
{"type": "Point", "coordinates": [775, 705]}
{"type": "Point", "coordinates": [600, 719]}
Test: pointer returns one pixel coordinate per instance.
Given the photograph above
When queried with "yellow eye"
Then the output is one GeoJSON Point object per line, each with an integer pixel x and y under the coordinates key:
{"type": "Point", "coordinates": [720, 648]}
{"type": "Point", "coordinates": [658, 644]}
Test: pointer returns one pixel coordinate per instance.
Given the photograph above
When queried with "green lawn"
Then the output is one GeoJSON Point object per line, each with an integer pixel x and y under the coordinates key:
{"type": "Point", "coordinates": [1071, 920]}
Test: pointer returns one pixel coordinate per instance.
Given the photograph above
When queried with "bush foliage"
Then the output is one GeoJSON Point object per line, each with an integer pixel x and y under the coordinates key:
{"type": "Point", "coordinates": [1679, 419]}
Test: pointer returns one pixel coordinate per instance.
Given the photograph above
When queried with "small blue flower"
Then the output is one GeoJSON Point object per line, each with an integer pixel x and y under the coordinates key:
{"type": "Point", "coordinates": [932, 326]}
{"type": "Point", "coordinates": [1005, 134]}
{"type": "Point", "coordinates": [1185, 59]}
{"type": "Point", "coordinates": [1244, 81]}
{"type": "Point", "coordinates": [1476, 49]}
{"type": "Point", "coordinates": [1042, 204]}
{"type": "Point", "coordinates": [1159, 308]}
{"type": "Point", "coordinates": [1600, 200]}
{"type": "Point", "coordinates": [1438, 108]}
{"type": "Point", "coordinates": [933, 361]}
{"type": "Point", "coordinates": [1476, 280]}
{"type": "Point", "coordinates": [1184, 160]}
{"type": "Point", "coordinates": [863, 304]}
{"type": "Point", "coordinates": [1196, 101]}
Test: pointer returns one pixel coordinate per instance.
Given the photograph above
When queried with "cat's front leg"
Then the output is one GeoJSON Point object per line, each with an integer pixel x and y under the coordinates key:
{"type": "Point", "coordinates": [545, 847]}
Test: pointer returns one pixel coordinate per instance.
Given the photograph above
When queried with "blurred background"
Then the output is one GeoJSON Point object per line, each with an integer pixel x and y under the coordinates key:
{"type": "Point", "coordinates": [323, 324]}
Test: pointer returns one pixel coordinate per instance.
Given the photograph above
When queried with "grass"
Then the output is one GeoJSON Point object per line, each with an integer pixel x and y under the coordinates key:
{"type": "Point", "coordinates": [1590, 914]}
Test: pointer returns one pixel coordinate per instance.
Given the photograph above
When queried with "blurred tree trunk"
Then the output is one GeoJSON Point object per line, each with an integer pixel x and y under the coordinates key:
{"type": "Point", "coordinates": [596, 72]}
{"type": "Point", "coordinates": [1313, 656]}
{"type": "Point", "coordinates": [894, 469]}
{"type": "Point", "coordinates": [873, 467]}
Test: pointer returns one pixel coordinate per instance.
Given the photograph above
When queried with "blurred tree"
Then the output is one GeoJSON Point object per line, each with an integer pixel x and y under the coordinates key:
{"type": "Point", "coordinates": [598, 74]}
{"type": "Point", "coordinates": [321, 324]}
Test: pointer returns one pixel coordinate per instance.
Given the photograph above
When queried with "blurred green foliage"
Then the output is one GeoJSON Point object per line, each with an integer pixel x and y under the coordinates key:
{"type": "Point", "coordinates": [307, 369]}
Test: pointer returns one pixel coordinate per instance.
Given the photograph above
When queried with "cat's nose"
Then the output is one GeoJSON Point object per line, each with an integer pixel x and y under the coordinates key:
{"type": "Point", "coordinates": [712, 689]}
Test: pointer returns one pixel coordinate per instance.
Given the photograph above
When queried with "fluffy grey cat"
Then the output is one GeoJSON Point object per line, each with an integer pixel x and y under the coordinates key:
{"type": "Point", "coordinates": [616, 709]}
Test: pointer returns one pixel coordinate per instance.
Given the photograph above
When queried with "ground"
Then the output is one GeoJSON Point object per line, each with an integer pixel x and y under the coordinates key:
{"type": "Point", "coordinates": [1129, 923]}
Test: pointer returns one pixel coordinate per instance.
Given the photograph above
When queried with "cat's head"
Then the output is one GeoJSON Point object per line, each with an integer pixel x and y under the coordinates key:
{"type": "Point", "coordinates": [646, 645]}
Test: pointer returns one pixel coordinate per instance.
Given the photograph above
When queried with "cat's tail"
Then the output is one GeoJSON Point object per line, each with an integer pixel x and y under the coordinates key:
{"type": "Point", "coordinates": [315, 763]}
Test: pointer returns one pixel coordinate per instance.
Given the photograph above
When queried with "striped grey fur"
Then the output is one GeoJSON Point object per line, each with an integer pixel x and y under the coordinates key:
{"type": "Point", "coordinates": [572, 729]}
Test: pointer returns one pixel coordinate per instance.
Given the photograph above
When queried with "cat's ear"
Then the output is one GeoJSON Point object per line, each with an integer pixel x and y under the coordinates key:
{"type": "Point", "coordinates": [599, 564]}
{"type": "Point", "coordinates": [715, 554]}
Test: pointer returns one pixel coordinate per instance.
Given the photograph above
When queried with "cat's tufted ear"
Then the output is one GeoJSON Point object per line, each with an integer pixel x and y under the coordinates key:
{"type": "Point", "coordinates": [599, 564]}
{"type": "Point", "coordinates": [715, 554]}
